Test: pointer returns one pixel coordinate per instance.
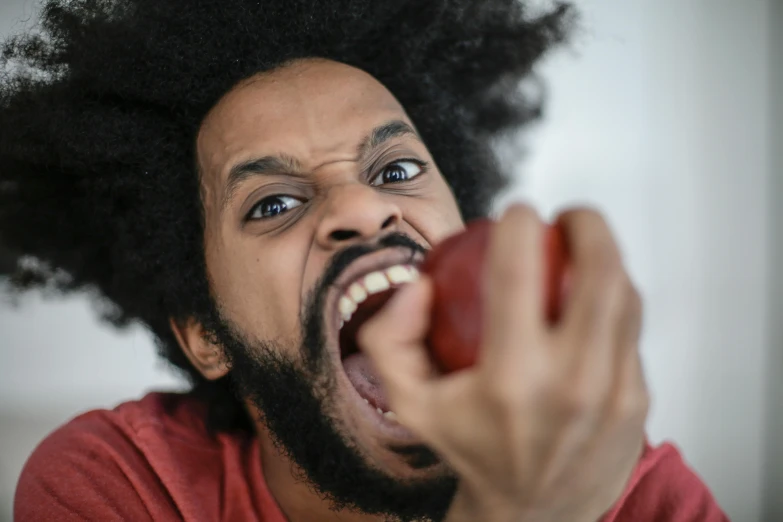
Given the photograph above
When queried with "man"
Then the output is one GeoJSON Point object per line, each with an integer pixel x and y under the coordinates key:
{"type": "Point", "coordinates": [239, 176]}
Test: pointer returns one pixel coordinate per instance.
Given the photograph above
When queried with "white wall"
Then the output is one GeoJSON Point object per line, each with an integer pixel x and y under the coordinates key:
{"type": "Point", "coordinates": [659, 115]}
{"type": "Point", "coordinates": [774, 461]}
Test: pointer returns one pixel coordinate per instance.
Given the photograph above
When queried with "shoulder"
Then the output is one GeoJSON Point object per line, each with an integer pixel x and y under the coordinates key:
{"type": "Point", "coordinates": [98, 467]}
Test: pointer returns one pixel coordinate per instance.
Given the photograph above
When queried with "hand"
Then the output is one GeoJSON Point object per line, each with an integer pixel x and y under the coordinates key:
{"type": "Point", "coordinates": [549, 424]}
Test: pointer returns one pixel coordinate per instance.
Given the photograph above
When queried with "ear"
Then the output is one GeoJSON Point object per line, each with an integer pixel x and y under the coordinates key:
{"type": "Point", "coordinates": [205, 356]}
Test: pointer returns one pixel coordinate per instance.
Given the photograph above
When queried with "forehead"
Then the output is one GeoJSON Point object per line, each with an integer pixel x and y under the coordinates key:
{"type": "Point", "coordinates": [309, 110]}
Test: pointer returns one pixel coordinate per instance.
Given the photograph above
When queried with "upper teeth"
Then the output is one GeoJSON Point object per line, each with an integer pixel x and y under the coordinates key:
{"type": "Point", "coordinates": [357, 293]}
{"type": "Point", "coordinates": [373, 283]}
{"type": "Point", "coordinates": [388, 414]}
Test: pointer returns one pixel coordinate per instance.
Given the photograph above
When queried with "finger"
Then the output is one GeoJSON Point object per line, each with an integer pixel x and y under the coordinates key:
{"type": "Point", "coordinates": [514, 283]}
{"type": "Point", "coordinates": [394, 339]}
{"type": "Point", "coordinates": [629, 328]}
{"type": "Point", "coordinates": [597, 278]}
{"type": "Point", "coordinates": [601, 366]}
{"type": "Point", "coordinates": [631, 392]}
{"type": "Point", "coordinates": [631, 398]}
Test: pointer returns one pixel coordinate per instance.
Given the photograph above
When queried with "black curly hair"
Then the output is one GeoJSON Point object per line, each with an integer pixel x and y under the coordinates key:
{"type": "Point", "coordinates": [100, 105]}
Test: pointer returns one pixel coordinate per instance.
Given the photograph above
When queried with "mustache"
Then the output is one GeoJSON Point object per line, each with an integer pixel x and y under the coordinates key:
{"type": "Point", "coordinates": [312, 315]}
{"type": "Point", "coordinates": [343, 259]}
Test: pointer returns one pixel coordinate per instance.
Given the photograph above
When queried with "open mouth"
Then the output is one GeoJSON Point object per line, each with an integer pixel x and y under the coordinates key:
{"type": "Point", "coordinates": [361, 299]}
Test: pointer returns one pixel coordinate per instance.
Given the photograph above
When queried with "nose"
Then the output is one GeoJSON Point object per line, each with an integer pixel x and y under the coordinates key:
{"type": "Point", "coordinates": [355, 213]}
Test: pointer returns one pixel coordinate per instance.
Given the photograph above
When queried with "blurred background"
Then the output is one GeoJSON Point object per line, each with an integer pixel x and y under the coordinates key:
{"type": "Point", "coordinates": [661, 113]}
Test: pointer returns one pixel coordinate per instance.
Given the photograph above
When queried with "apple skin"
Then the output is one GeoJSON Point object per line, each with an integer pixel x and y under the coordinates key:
{"type": "Point", "coordinates": [456, 267]}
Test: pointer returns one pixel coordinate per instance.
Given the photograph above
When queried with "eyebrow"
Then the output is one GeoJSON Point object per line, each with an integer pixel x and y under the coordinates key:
{"type": "Point", "coordinates": [383, 133]}
{"type": "Point", "coordinates": [287, 165]}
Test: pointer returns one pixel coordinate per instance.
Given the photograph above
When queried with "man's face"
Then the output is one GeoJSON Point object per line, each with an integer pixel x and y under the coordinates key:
{"type": "Point", "coordinates": [314, 178]}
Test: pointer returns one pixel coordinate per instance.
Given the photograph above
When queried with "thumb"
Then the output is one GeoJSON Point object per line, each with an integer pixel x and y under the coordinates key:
{"type": "Point", "coordinates": [394, 339]}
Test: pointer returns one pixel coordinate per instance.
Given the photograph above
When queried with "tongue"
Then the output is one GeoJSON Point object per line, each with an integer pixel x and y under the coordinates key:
{"type": "Point", "coordinates": [364, 378]}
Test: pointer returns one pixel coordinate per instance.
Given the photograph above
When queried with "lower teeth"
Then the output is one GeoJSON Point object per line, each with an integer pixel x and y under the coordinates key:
{"type": "Point", "coordinates": [386, 414]}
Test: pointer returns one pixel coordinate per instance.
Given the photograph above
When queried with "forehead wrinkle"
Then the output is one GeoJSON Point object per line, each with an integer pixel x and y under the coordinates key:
{"type": "Point", "coordinates": [319, 129]}
{"type": "Point", "coordinates": [287, 165]}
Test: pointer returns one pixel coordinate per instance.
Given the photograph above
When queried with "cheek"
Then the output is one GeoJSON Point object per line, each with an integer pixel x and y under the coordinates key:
{"type": "Point", "coordinates": [435, 216]}
{"type": "Point", "coordinates": [258, 285]}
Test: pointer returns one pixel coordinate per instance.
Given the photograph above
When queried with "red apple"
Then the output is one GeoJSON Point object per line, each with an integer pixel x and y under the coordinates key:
{"type": "Point", "coordinates": [456, 266]}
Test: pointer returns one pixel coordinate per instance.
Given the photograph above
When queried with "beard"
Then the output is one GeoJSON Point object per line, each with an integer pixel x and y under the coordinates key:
{"type": "Point", "coordinates": [299, 403]}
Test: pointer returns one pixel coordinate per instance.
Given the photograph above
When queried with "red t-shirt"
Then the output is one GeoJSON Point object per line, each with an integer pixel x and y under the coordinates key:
{"type": "Point", "coordinates": [154, 460]}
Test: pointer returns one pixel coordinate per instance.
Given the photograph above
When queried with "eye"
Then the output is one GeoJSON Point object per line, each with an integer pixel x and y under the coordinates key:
{"type": "Point", "coordinates": [403, 170]}
{"type": "Point", "coordinates": [273, 206]}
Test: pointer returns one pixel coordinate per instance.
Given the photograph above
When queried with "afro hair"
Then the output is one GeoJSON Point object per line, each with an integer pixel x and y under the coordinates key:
{"type": "Point", "coordinates": [101, 102]}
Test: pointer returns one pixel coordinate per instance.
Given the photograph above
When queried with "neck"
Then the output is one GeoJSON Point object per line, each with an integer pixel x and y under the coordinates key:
{"type": "Point", "coordinates": [296, 498]}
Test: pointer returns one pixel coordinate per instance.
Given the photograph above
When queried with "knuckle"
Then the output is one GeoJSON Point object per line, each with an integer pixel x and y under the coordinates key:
{"type": "Point", "coordinates": [511, 239]}
{"type": "Point", "coordinates": [611, 283]}
{"type": "Point", "coordinates": [644, 409]}
{"type": "Point", "coordinates": [508, 396]}
{"type": "Point", "coordinates": [506, 274]}
{"type": "Point", "coordinates": [521, 215]}
{"type": "Point", "coordinates": [632, 406]}
{"type": "Point", "coordinates": [634, 302]}
{"type": "Point", "coordinates": [566, 395]}
{"type": "Point", "coordinates": [593, 218]}
{"type": "Point", "coordinates": [597, 246]}
{"type": "Point", "coordinates": [584, 401]}
{"type": "Point", "coordinates": [607, 265]}
{"type": "Point", "coordinates": [502, 393]}
{"type": "Point", "coordinates": [584, 213]}
{"type": "Point", "coordinates": [572, 403]}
